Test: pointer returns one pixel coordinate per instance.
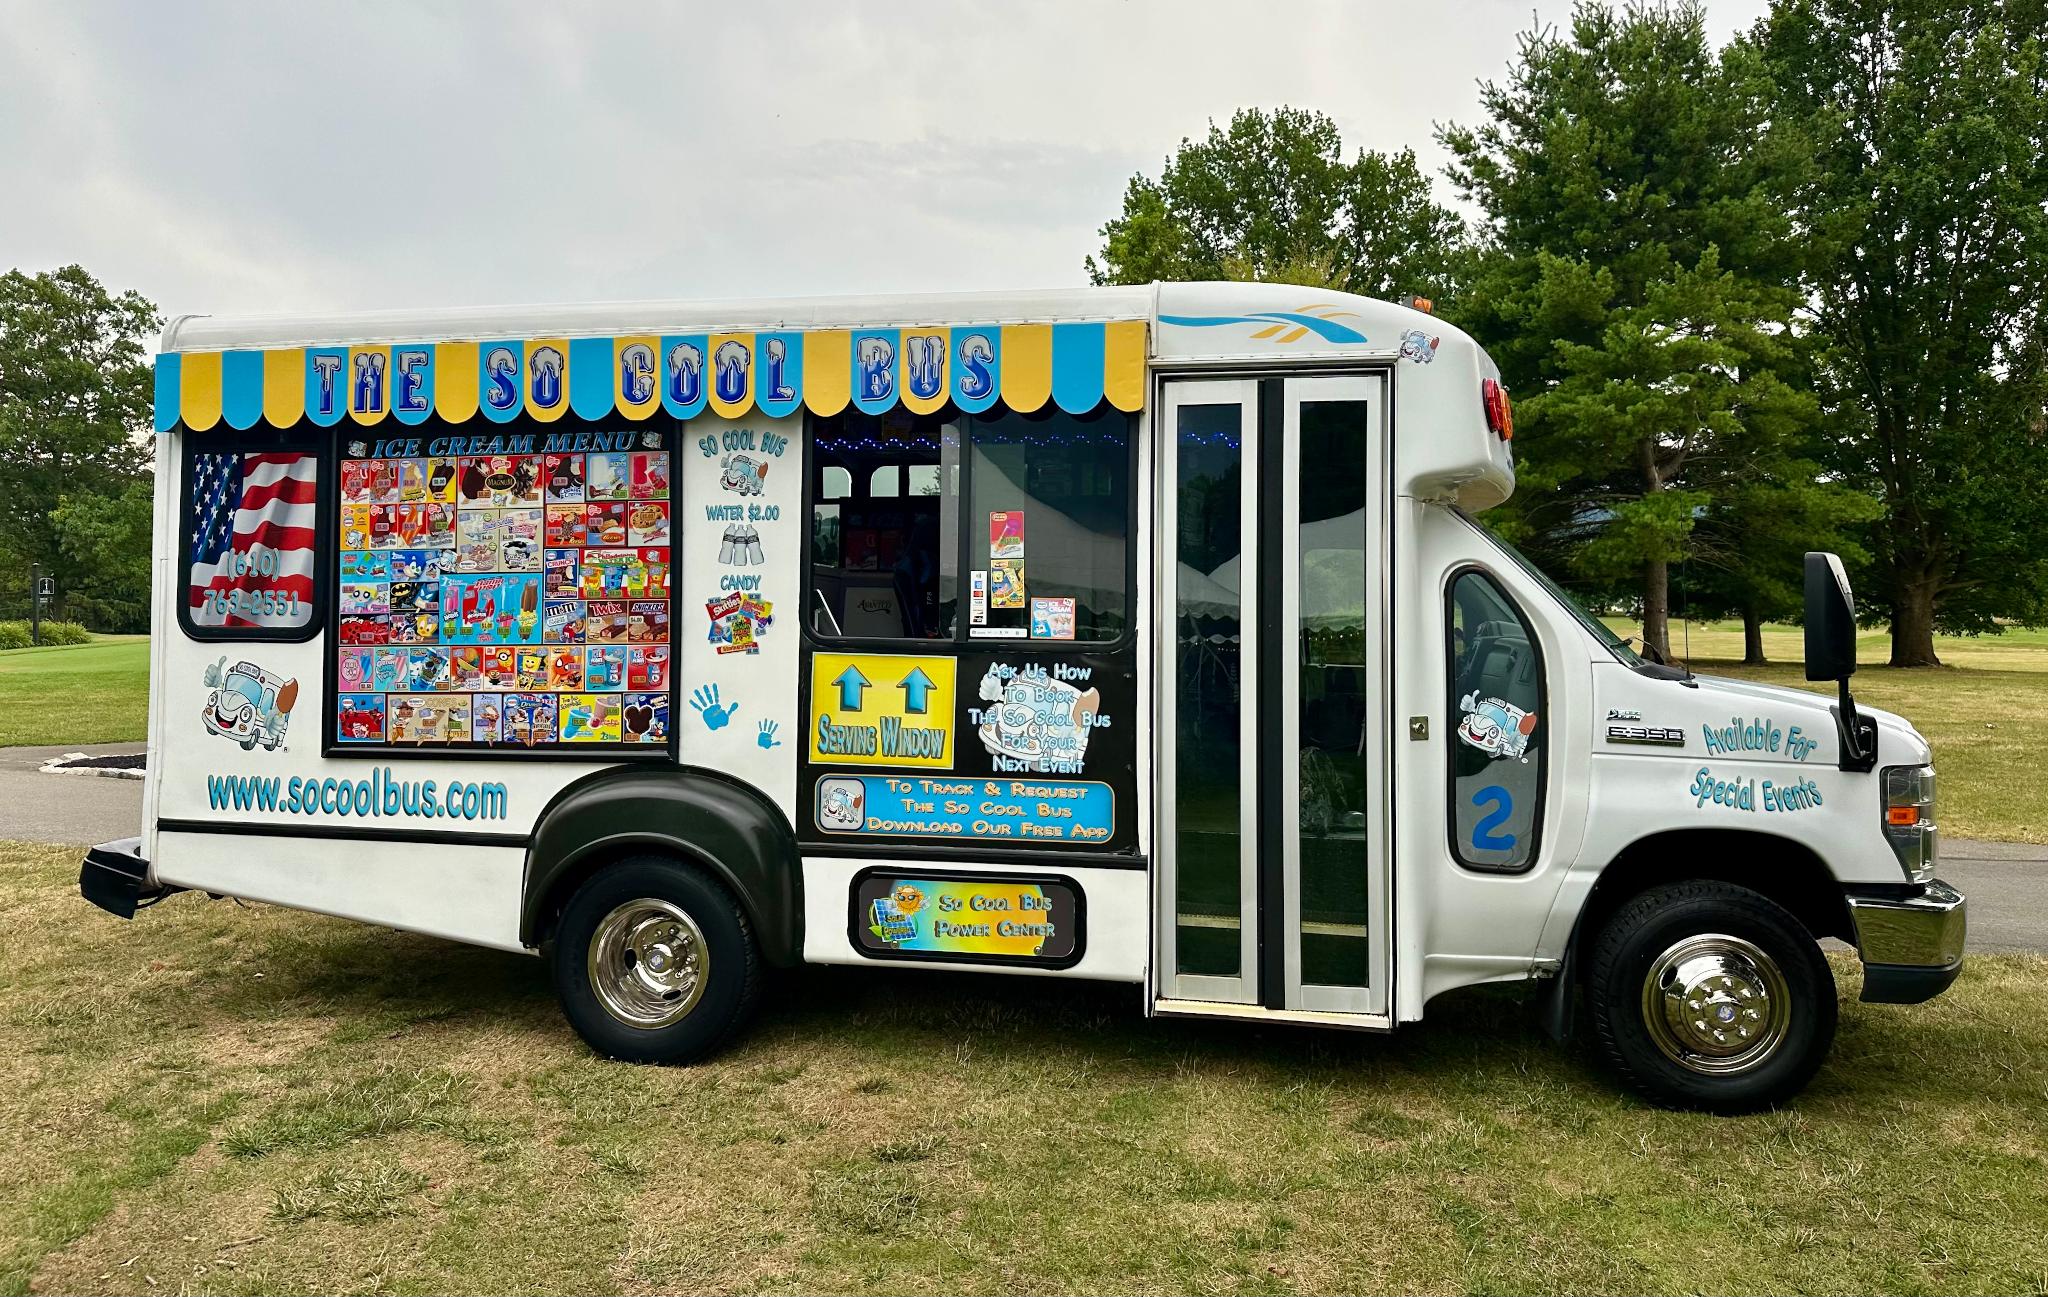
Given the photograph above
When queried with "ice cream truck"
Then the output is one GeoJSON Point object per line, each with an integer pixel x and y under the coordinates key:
{"type": "Point", "coordinates": [1139, 634]}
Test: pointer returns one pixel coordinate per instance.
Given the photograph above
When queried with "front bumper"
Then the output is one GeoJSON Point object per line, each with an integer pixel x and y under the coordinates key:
{"type": "Point", "coordinates": [1912, 945]}
{"type": "Point", "coordinates": [115, 877]}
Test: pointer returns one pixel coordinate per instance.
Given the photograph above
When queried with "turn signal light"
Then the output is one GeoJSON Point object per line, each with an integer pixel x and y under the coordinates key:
{"type": "Point", "coordinates": [1904, 817]}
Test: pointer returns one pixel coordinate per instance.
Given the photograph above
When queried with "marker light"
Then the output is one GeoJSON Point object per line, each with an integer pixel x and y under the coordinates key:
{"type": "Point", "coordinates": [1500, 412]}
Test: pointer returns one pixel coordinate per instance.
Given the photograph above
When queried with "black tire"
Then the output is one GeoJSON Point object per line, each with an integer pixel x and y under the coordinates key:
{"type": "Point", "coordinates": [730, 960]}
{"type": "Point", "coordinates": [1720, 918]}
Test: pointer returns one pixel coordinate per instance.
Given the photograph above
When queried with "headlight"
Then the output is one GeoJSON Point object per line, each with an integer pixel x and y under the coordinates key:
{"type": "Point", "coordinates": [1909, 818]}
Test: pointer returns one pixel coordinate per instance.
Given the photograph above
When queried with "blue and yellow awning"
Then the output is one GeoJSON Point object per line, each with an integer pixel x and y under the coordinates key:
{"type": "Point", "coordinates": [1075, 366]}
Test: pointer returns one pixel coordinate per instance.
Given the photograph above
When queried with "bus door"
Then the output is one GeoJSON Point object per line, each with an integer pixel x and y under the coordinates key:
{"type": "Point", "coordinates": [1273, 850]}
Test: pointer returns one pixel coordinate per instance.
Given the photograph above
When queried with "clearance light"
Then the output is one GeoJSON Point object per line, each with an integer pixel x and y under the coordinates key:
{"type": "Point", "coordinates": [1422, 304]}
{"type": "Point", "coordinates": [1500, 412]}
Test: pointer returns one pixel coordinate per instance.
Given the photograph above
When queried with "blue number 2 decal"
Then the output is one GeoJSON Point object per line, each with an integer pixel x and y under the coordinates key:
{"type": "Point", "coordinates": [1503, 802]}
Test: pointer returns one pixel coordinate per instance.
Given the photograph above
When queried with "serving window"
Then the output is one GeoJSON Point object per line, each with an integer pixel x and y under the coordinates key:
{"type": "Point", "coordinates": [516, 600]}
{"type": "Point", "coordinates": [954, 527]}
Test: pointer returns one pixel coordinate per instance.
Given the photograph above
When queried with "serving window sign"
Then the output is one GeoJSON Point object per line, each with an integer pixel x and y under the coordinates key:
{"type": "Point", "coordinates": [505, 591]}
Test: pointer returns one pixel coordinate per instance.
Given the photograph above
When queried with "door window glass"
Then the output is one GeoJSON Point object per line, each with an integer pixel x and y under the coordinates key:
{"type": "Point", "coordinates": [1498, 727]}
{"type": "Point", "coordinates": [1331, 818]}
{"type": "Point", "coordinates": [1209, 670]}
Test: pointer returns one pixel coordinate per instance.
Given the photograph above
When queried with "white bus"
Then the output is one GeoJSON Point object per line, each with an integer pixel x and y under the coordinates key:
{"type": "Point", "coordinates": [1138, 634]}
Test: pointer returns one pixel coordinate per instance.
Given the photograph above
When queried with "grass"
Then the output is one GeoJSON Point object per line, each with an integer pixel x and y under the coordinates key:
{"type": "Point", "coordinates": [1983, 712]}
{"type": "Point", "coordinates": [237, 1100]}
{"type": "Point", "coordinates": [80, 693]}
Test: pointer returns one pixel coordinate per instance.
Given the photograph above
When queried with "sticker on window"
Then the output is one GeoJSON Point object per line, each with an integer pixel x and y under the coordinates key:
{"type": "Point", "coordinates": [1495, 726]}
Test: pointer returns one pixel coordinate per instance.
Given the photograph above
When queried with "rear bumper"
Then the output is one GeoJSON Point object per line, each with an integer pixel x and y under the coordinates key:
{"type": "Point", "coordinates": [1912, 946]}
{"type": "Point", "coordinates": [115, 877]}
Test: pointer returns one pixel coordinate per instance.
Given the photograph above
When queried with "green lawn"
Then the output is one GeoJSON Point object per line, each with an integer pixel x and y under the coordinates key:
{"type": "Point", "coordinates": [81, 693]}
{"type": "Point", "coordinates": [1986, 713]}
{"type": "Point", "coordinates": [227, 1099]}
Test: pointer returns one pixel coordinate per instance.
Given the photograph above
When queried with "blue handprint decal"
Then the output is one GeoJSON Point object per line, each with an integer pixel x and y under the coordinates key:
{"type": "Point", "coordinates": [766, 738]}
{"type": "Point", "coordinates": [705, 700]}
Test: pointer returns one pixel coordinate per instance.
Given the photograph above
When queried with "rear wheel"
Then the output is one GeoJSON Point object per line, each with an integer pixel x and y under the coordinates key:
{"type": "Point", "coordinates": [654, 962]}
{"type": "Point", "coordinates": [1712, 996]}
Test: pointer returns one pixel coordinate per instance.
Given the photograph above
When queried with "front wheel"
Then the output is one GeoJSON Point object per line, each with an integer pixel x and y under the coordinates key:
{"type": "Point", "coordinates": [654, 962]}
{"type": "Point", "coordinates": [1711, 996]}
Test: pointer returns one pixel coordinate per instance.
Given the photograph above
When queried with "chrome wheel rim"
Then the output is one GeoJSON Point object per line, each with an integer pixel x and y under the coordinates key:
{"type": "Point", "coordinates": [1716, 1004]}
{"type": "Point", "coordinates": [648, 963]}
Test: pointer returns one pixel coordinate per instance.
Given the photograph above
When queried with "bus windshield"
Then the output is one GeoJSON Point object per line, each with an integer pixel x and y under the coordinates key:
{"type": "Point", "coordinates": [1614, 643]}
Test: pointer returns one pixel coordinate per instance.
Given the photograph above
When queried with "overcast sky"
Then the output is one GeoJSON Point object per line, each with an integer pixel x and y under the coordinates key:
{"type": "Point", "coordinates": [288, 157]}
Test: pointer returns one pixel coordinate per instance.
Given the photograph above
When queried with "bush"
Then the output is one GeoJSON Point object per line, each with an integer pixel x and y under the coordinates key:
{"type": "Point", "coordinates": [15, 634]}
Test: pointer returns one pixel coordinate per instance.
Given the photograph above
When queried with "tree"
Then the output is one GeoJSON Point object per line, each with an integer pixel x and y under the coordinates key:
{"type": "Point", "coordinates": [75, 396]}
{"type": "Point", "coordinates": [1636, 284]}
{"type": "Point", "coordinates": [1272, 198]}
{"type": "Point", "coordinates": [1926, 220]}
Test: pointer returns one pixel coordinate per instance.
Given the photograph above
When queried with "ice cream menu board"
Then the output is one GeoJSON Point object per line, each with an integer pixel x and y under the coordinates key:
{"type": "Point", "coordinates": [514, 600]}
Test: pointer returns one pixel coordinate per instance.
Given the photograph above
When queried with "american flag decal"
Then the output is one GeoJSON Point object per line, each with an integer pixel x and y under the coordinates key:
{"type": "Point", "coordinates": [252, 539]}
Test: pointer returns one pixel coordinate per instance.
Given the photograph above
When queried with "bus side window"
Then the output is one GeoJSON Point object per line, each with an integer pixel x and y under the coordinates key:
{"type": "Point", "coordinates": [1496, 708]}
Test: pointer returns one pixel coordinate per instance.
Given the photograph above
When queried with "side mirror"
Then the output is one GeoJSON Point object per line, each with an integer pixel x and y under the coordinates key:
{"type": "Point", "coordinates": [1830, 620]}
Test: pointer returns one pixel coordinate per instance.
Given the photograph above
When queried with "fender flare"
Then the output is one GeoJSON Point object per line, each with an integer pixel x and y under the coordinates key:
{"type": "Point", "coordinates": [705, 817]}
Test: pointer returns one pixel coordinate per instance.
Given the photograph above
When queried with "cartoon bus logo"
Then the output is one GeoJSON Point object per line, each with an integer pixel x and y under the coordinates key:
{"type": "Point", "coordinates": [248, 704]}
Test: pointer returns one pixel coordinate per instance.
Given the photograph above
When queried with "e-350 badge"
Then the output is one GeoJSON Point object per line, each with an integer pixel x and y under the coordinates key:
{"type": "Point", "coordinates": [1663, 736]}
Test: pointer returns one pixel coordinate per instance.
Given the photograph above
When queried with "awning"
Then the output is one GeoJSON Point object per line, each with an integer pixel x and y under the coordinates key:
{"type": "Point", "coordinates": [1075, 366]}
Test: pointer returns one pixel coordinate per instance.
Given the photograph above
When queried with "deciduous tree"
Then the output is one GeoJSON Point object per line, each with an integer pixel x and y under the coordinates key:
{"type": "Point", "coordinates": [1636, 282]}
{"type": "Point", "coordinates": [75, 397]}
{"type": "Point", "coordinates": [1925, 221]}
{"type": "Point", "coordinates": [1271, 197]}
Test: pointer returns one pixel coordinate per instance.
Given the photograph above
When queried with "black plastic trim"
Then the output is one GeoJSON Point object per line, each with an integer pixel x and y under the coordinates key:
{"type": "Point", "coordinates": [1906, 983]}
{"type": "Point", "coordinates": [115, 877]}
{"type": "Point", "coordinates": [1051, 857]}
{"type": "Point", "coordinates": [340, 832]}
{"type": "Point", "coordinates": [1275, 820]}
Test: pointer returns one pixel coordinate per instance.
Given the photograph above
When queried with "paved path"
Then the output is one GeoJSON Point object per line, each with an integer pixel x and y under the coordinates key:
{"type": "Point", "coordinates": [35, 807]}
{"type": "Point", "coordinates": [2007, 882]}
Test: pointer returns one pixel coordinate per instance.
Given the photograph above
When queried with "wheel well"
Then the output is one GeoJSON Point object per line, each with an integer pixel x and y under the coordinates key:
{"type": "Point", "coordinates": [547, 913]}
{"type": "Point", "coordinates": [1786, 871]}
{"type": "Point", "coordinates": [703, 818]}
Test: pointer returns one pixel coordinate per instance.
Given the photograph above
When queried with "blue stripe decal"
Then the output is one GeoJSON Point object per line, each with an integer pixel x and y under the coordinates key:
{"type": "Point", "coordinates": [500, 380]}
{"type": "Point", "coordinates": [412, 382]}
{"type": "Point", "coordinates": [876, 369]}
{"type": "Point", "coordinates": [778, 373]}
{"type": "Point", "coordinates": [1077, 366]}
{"type": "Point", "coordinates": [1324, 329]}
{"type": "Point", "coordinates": [241, 388]}
{"type": "Point", "coordinates": [683, 364]}
{"type": "Point", "coordinates": [326, 385]}
{"type": "Point", "coordinates": [170, 367]}
{"type": "Point", "coordinates": [977, 365]}
{"type": "Point", "coordinates": [591, 381]}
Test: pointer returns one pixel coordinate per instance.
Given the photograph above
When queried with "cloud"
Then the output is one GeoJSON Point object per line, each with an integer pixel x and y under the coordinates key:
{"type": "Point", "coordinates": [231, 158]}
